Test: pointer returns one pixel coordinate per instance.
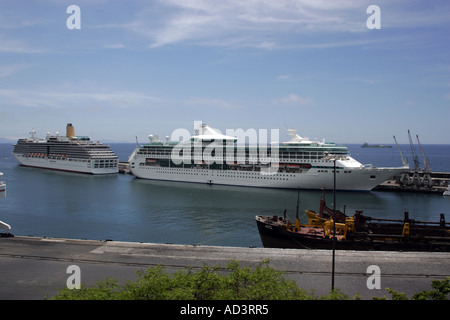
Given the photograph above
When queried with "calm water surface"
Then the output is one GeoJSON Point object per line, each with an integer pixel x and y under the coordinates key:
{"type": "Point", "coordinates": [121, 207]}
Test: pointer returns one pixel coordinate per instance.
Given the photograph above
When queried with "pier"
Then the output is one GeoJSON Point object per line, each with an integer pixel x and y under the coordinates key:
{"type": "Point", "coordinates": [124, 167]}
{"type": "Point", "coordinates": [422, 181]}
{"type": "Point", "coordinates": [36, 268]}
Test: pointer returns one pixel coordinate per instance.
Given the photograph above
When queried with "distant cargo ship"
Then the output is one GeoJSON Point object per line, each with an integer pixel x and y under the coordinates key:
{"type": "Point", "coordinates": [66, 153]}
{"type": "Point", "coordinates": [366, 145]}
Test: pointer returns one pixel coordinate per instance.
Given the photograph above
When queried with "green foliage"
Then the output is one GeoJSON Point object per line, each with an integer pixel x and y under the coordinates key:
{"type": "Point", "coordinates": [209, 283]}
{"type": "Point", "coordinates": [104, 290]}
{"type": "Point", "coordinates": [440, 291]}
{"type": "Point", "coordinates": [336, 294]}
{"type": "Point", "coordinates": [215, 283]}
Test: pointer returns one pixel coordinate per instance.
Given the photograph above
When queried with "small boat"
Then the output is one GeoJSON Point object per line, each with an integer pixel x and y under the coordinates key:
{"type": "Point", "coordinates": [357, 232]}
{"type": "Point", "coordinates": [447, 191]}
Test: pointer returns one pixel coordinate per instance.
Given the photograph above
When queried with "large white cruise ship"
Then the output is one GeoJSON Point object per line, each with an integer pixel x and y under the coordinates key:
{"type": "Point", "coordinates": [213, 158]}
{"type": "Point", "coordinates": [66, 153]}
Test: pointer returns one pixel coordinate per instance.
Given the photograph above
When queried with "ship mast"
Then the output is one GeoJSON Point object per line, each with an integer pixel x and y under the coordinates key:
{"type": "Point", "coordinates": [296, 213]}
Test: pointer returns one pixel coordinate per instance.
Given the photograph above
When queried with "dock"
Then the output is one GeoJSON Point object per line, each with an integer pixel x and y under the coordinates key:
{"type": "Point", "coordinates": [124, 167]}
{"type": "Point", "coordinates": [434, 182]}
{"type": "Point", "coordinates": [35, 268]}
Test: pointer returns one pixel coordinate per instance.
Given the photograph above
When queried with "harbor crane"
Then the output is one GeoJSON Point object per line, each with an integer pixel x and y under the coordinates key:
{"type": "Point", "coordinates": [404, 178]}
{"type": "Point", "coordinates": [416, 176]}
{"type": "Point", "coordinates": [426, 179]}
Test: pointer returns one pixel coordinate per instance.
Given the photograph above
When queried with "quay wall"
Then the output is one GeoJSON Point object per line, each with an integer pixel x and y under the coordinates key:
{"type": "Point", "coordinates": [36, 267]}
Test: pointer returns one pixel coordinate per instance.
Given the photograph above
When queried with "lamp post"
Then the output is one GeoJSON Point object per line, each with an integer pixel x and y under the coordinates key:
{"type": "Point", "coordinates": [334, 225]}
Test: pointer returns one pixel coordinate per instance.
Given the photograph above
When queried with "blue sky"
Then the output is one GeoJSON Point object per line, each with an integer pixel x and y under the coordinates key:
{"type": "Point", "coordinates": [141, 67]}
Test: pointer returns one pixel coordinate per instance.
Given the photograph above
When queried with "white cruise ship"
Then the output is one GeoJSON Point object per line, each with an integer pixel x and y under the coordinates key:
{"type": "Point", "coordinates": [213, 158]}
{"type": "Point", "coordinates": [66, 153]}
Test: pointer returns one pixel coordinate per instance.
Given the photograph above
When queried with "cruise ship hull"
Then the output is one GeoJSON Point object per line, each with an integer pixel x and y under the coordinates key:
{"type": "Point", "coordinates": [69, 165]}
{"type": "Point", "coordinates": [364, 179]}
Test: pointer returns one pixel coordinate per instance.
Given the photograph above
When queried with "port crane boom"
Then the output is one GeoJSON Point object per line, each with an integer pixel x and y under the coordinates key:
{"type": "Point", "coordinates": [404, 178]}
{"type": "Point", "coordinates": [416, 177]}
{"type": "Point", "coordinates": [404, 160]}
{"type": "Point", "coordinates": [426, 179]}
{"type": "Point", "coordinates": [413, 151]}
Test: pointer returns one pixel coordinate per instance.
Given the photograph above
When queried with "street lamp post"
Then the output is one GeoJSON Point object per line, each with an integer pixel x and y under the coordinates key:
{"type": "Point", "coordinates": [334, 225]}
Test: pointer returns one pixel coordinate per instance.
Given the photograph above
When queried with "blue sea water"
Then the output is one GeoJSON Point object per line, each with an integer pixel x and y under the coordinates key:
{"type": "Point", "coordinates": [120, 207]}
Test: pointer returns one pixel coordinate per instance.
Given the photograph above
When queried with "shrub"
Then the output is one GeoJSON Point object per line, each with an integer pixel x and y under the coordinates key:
{"type": "Point", "coordinates": [440, 291]}
{"type": "Point", "coordinates": [209, 283]}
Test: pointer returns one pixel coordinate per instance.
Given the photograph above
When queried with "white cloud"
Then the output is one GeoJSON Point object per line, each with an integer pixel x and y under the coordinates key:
{"type": "Point", "coordinates": [8, 70]}
{"type": "Point", "coordinates": [283, 77]}
{"type": "Point", "coordinates": [364, 80]}
{"type": "Point", "coordinates": [251, 23]}
{"type": "Point", "coordinates": [268, 24]}
{"type": "Point", "coordinates": [17, 46]}
{"type": "Point", "coordinates": [293, 100]}
{"type": "Point", "coordinates": [212, 103]}
{"type": "Point", "coordinates": [124, 99]}
{"type": "Point", "coordinates": [114, 46]}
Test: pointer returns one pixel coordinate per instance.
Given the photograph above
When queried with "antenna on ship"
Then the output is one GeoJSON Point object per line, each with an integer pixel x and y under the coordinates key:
{"type": "Point", "coordinates": [33, 134]}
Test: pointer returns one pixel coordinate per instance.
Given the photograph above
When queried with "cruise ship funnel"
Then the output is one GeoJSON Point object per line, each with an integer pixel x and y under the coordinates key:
{"type": "Point", "coordinates": [70, 131]}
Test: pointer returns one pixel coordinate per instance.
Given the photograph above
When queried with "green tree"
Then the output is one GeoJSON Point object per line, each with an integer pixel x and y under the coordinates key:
{"type": "Point", "coordinates": [233, 282]}
{"type": "Point", "coordinates": [440, 291]}
{"type": "Point", "coordinates": [209, 283]}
